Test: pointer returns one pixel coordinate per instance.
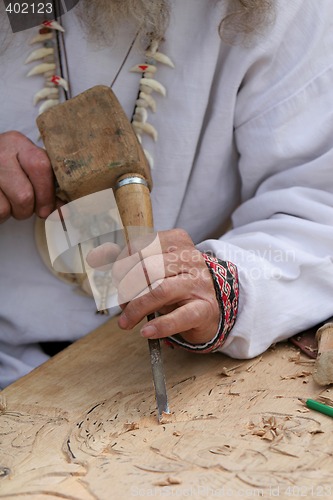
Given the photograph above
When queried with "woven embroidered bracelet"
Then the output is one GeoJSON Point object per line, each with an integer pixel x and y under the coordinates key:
{"type": "Point", "coordinates": [225, 278]}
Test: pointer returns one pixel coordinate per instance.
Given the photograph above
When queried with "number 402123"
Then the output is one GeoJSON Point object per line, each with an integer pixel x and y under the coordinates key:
{"type": "Point", "coordinates": [30, 8]}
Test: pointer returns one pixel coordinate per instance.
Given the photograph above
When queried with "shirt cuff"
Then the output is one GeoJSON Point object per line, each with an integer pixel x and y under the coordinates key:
{"type": "Point", "coordinates": [225, 279]}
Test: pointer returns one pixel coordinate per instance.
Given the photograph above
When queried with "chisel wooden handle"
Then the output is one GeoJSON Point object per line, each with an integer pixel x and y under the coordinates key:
{"type": "Point", "coordinates": [133, 201]}
{"type": "Point", "coordinates": [134, 205]}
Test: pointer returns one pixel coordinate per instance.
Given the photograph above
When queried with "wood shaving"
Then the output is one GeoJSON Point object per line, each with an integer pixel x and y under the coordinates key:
{"type": "Point", "coordinates": [325, 400]}
{"type": "Point", "coordinates": [298, 361]}
{"type": "Point", "coordinates": [226, 372]}
{"type": "Point", "coordinates": [221, 450]}
{"type": "Point", "coordinates": [288, 452]}
{"type": "Point", "coordinates": [311, 349]}
{"type": "Point", "coordinates": [257, 361]}
{"type": "Point", "coordinates": [3, 404]}
{"type": "Point", "coordinates": [233, 393]}
{"type": "Point", "coordinates": [131, 426]}
{"type": "Point", "coordinates": [168, 481]}
{"type": "Point", "coordinates": [165, 418]}
{"type": "Point", "coordinates": [267, 429]}
{"type": "Point", "coordinates": [260, 392]}
{"type": "Point", "coordinates": [296, 375]}
{"type": "Point", "coordinates": [296, 358]}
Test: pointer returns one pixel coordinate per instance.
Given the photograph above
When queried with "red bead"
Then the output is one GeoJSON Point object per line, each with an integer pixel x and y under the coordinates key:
{"type": "Point", "coordinates": [55, 79]}
{"type": "Point", "coordinates": [47, 23]}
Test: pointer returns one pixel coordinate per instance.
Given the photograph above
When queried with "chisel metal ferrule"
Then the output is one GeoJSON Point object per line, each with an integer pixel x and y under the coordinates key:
{"type": "Point", "coordinates": [131, 180]}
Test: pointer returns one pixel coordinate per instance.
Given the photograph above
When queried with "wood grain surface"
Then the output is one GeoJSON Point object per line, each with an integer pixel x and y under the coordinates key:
{"type": "Point", "coordinates": [83, 426]}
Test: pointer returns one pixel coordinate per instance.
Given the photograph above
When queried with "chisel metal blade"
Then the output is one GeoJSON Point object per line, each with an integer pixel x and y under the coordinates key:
{"type": "Point", "coordinates": [158, 375]}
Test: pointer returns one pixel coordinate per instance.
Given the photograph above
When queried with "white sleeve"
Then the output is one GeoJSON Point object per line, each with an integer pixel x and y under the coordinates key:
{"type": "Point", "coordinates": [282, 236]}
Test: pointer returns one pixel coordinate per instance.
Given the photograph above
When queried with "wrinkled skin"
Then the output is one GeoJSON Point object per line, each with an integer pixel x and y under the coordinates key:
{"type": "Point", "coordinates": [26, 178]}
{"type": "Point", "coordinates": [181, 287]}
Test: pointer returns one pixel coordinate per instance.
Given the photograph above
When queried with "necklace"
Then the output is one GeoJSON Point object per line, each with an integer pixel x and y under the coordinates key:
{"type": "Point", "coordinates": [52, 65]}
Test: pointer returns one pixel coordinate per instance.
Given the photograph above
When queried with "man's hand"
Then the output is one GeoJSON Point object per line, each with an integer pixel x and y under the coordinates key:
{"type": "Point", "coordinates": [180, 287]}
{"type": "Point", "coordinates": [26, 178]}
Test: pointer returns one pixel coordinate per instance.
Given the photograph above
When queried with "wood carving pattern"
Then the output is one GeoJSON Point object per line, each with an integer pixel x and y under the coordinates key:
{"type": "Point", "coordinates": [236, 427]}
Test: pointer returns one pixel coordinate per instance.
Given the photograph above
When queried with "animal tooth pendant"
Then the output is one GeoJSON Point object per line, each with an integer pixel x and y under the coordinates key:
{"type": "Point", "coordinates": [147, 101]}
{"type": "Point", "coordinates": [47, 66]}
{"type": "Point", "coordinates": [48, 104]}
{"type": "Point", "coordinates": [39, 54]}
{"type": "Point", "coordinates": [141, 114]}
{"type": "Point", "coordinates": [148, 85]}
{"type": "Point", "coordinates": [41, 38]}
{"type": "Point", "coordinates": [46, 93]}
{"type": "Point", "coordinates": [154, 85]}
{"type": "Point", "coordinates": [53, 25]}
{"type": "Point", "coordinates": [161, 58]}
{"type": "Point", "coordinates": [147, 128]}
{"type": "Point", "coordinates": [40, 69]}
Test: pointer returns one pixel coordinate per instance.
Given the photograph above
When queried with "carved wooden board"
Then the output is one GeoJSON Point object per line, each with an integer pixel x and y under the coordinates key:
{"type": "Point", "coordinates": [83, 426]}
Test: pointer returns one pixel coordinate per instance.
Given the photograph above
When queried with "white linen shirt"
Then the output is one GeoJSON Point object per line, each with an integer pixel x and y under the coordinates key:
{"type": "Point", "coordinates": [246, 130]}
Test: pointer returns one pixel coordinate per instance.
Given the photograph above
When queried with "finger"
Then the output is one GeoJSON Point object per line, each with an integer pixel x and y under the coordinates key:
{"type": "Point", "coordinates": [190, 319]}
{"type": "Point", "coordinates": [103, 255]}
{"type": "Point", "coordinates": [37, 166]}
{"type": "Point", "coordinates": [161, 242]}
{"type": "Point", "coordinates": [170, 291]}
{"type": "Point", "coordinates": [5, 209]}
{"type": "Point", "coordinates": [128, 271]}
{"type": "Point", "coordinates": [17, 188]}
{"type": "Point", "coordinates": [156, 245]}
{"type": "Point", "coordinates": [123, 259]}
{"type": "Point", "coordinates": [144, 276]}
{"type": "Point", "coordinates": [174, 239]}
{"type": "Point", "coordinates": [134, 281]}
{"type": "Point", "coordinates": [145, 245]}
{"type": "Point", "coordinates": [25, 175]}
{"type": "Point", "coordinates": [136, 241]}
{"type": "Point", "coordinates": [129, 267]}
{"type": "Point", "coordinates": [152, 271]}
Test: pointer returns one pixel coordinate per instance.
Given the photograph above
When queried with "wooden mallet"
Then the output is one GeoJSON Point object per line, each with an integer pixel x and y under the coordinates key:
{"type": "Point", "coordinates": [92, 146]}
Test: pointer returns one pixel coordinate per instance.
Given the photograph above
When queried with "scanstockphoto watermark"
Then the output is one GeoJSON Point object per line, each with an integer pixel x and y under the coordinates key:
{"type": "Point", "coordinates": [267, 263]}
{"type": "Point", "coordinates": [273, 491]}
{"type": "Point", "coordinates": [197, 492]}
{"type": "Point", "coordinates": [268, 254]}
{"type": "Point", "coordinates": [25, 15]}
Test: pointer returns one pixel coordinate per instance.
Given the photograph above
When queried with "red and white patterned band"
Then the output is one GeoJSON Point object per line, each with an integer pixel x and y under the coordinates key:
{"type": "Point", "coordinates": [225, 278]}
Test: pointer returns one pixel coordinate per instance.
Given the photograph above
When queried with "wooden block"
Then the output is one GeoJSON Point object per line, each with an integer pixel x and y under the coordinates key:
{"type": "Point", "coordinates": [83, 426]}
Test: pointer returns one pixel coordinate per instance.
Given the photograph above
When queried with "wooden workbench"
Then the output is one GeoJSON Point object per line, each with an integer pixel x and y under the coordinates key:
{"type": "Point", "coordinates": [83, 426]}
